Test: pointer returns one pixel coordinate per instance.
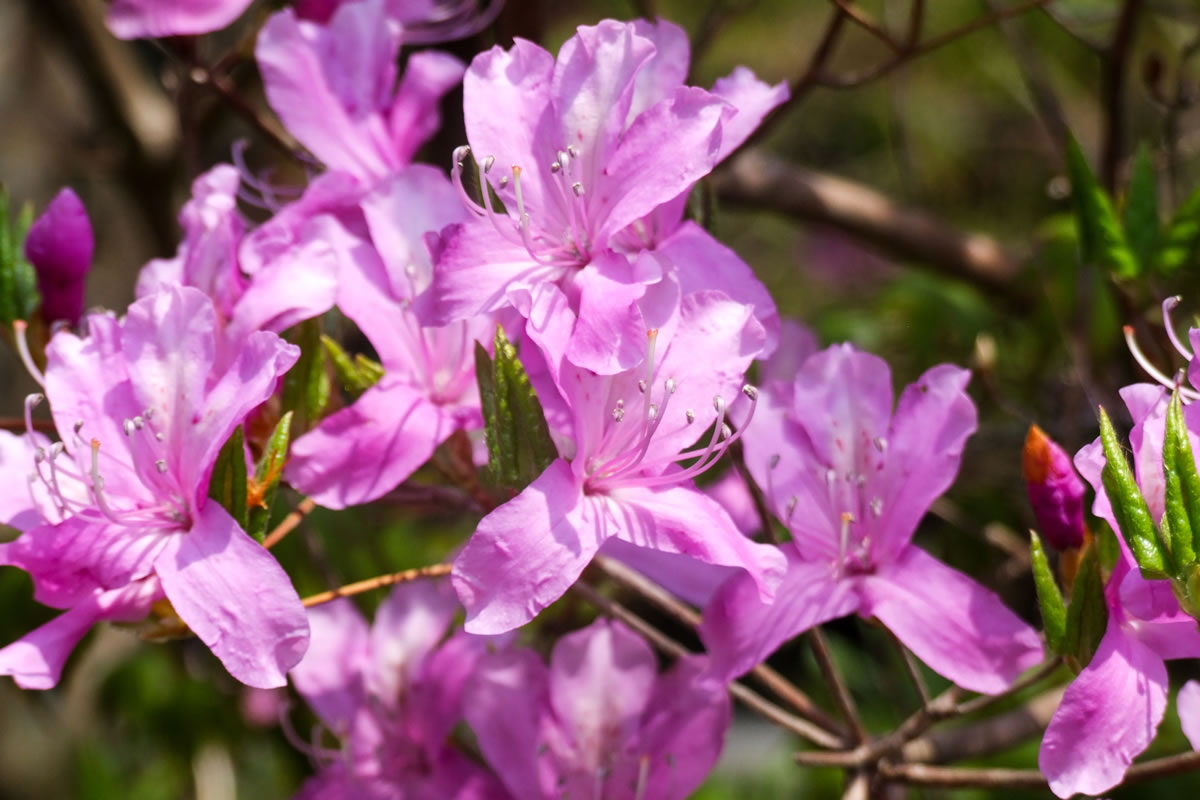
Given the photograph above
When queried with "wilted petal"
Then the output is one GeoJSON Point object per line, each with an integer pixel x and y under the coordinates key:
{"type": "Point", "coordinates": [367, 449]}
{"type": "Point", "coordinates": [1108, 715]}
{"type": "Point", "coordinates": [527, 552]}
{"type": "Point", "coordinates": [330, 676]}
{"type": "Point", "coordinates": [235, 597]}
{"type": "Point", "coordinates": [740, 631]}
{"type": "Point", "coordinates": [956, 626]}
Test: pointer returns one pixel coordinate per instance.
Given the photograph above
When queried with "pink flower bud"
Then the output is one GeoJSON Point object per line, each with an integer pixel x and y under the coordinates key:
{"type": "Point", "coordinates": [59, 246]}
{"type": "Point", "coordinates": [1055, 490]}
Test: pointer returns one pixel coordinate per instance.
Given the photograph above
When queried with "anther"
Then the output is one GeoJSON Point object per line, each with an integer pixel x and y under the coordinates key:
{"type": "Point", "coordinates": [774, 462]}
{"type": "Point", "coordinates": [750, 391]}
{"type": "Point", "coordinates": [642, 386]}
{"type": "Point", "coordinates": [78, 425]}
{"type": "Point", "coordinates": [572, 151]}
{"type": "Point", "coordinates": [726, 431]}
{"type": "Point", "coordinates": [160, 465]}
{"type": "Point", "coordinates": [127, 426]}
{"type": "Point", "coordinates": [460, 154]}
{"type": "Point", "coordinates": [877, 506]}
{"type": "Point", "coordinates": [718, 403]}
{"type": "Point", "coordinates": [39, 455]}
{"type": "Point", "coordinates": [691, 416]}
{"type": "Point", "coordinates": [670, 386]}
{"type": "Point", "coordinates": [487, 164]}
{"type": "Point", "coordinates": [148, 414]}
{"type": "Point", "coordinates": [503, 181]}
{"type": "Point", "coordinates": [880, 444]}
{"type": "Point", "coordinates": [158, 436]}
{"type": "Point", "coordinates": [577, 188]}
{"type": "Point", "coordinates": [618, 414]}
{"type": "Point", "coordinates": [139, 423]}
{"type": "Point", "coordinates": [555, 167]}
{"type": "Point", "coordinates": [652, 411]}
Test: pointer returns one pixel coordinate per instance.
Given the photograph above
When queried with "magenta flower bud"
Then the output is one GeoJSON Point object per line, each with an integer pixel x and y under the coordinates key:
{"type": "Point", "coordinates": [59, 246]}
{"type": "Point", "coordinates": [1055, 490]}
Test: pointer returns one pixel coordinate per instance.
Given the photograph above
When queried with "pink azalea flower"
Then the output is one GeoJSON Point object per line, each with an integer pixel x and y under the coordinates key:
{"type": "Point", "coordinates": [599, 722]}
{"type": "Point", "coordinates": [597, 140]}
{"type": "Point", "coordinates": [1188, 703]}
{"type": "Point", "coordinates": [428, 390]}
{"type": "Point", "coordinates": [392, 694]}
{"type": "Point", "coordinates": [1110, 713]}
{"type": "Point", "coordinates": [142, 413]}
{"type": "Point", "coordinates": [623, 484]}
{"type": "Point", "coordinates": [60, 246]}
{"type": "Point", "coordinates": [335, 88]}
{"type": "Point", "coordinates": [424, 21]}
{"type": "Point", "coordinates": [146, 19]}
{"type": "Point", "coordinates": [851, 480]}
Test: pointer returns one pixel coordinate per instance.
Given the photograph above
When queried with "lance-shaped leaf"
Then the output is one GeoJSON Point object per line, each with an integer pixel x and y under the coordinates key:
{"type": "Point", "coordinates": [1087, 615]}
{"type": "Point", "coordinates": [1050, 599]}
{"type": "Point", "coordinates": [1101, 237]}
{"type": "Point", "coordinates": [1141, 209]}
{"type": "Point", "coordinates": [228, 483]}
{"type": "Point", "coordinates": [1178, 243]}
{"type": "Point", "coordinates": [265, 483]}
{"type": "Point", "coordinates": [18, 281]}
{"type": "Point", "coordinates": [306, 385]}
{"type": "Point", "coordinates": [490, 405]}
{"type": "Point", "coordinates": [1129, 507]}
{"type": "Point", "coordinates": [1182, 496]}
{"type": "Point", "coordinates": [357, 374]}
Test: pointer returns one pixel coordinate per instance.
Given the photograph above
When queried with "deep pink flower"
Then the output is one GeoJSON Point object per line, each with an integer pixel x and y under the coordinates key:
{"type": "Point", "coordinates": [1055, 490]}
{"type": "Point", "coordinates": [147, 19]}
{"type": "Point", "coordinates": [851, 480]}
{"type": "Point", "coordinates": [600, 722]}
{"type": "Point", "coordinates": [1110, 713]}
{"type": "Point", "coordinates": [335, 88]}
{"type": "Point", "coordinates": [392, 694]}
{"type": "Point", "coordinates": [623, 483]}
{"type": "Point", "coordinates": [424, 21]}
{"type": "Point", "coordinates": [428, 390]}
{"type": "Point", "coordinates": [581, 150]}
{"type": "Point", "coordinates": [60, 246]}
{"type": "Point", "coordinates": [142, 413]}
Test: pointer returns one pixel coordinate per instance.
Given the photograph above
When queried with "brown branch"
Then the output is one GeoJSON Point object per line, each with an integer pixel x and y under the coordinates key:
{"type": "Point", "coordinates": [991, 735]}
{"type": "Point", "coordinates": [864, 20]}
{"type": "Point", "coordinates": [757, 181]}
{"type": "Point", "coordinates": [1037, 676]}
{"type": "Point", "coordinates": [841, 693]}
{"type": "Point", "coordinates": [378, 582]}
{"type": "Point", "coordinates": [960, 778]}
{"type": "Point", "coordinates": [18, 425]}
{"type": "Point", "coordinates": [1116, 62]}
{"type": "Point", "coordinates": [289, 523]}
{"type": "Point", "coordinates": [765, 518]}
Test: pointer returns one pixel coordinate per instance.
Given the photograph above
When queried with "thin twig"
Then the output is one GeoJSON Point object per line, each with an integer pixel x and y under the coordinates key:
{"type": "Point", "coordinates": [289, 523]}
{"type": "Point", "coordinates": [841, 694]}
{"type": "Point", "coordinates": [868, 23]}
{"type": "Point", "coordinates": [914, 671]}
{"type": "Point", "coordinates": [1116, 62]}
{"type": "Point", "coordinates": [378, 582]}
{"type": "Point", "coordinates": [765, 519]}
{"type": "Point", "coordinates": [991, 735]}
{"type": "Point", "coordinates": [201, 75]}
{"type": "Point", "coordinates": [962, 778]}
{"type": "Point", "coordinates": [1037, 676]}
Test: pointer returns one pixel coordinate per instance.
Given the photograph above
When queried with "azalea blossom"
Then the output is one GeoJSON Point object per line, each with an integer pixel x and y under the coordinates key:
{"type": "Point", "coordinates": [599, 722]}
{"type": "Point", "coordinates": [851, 479]}
{"type": "Point", "coordinates": [623, 482]}
{"type": "Point", "coordinates": [579, 149]}
{"type": "Point", "coordinates": [424, 21]}
{"type": "Point", "coordinates": [146, 19]}
{"type": "Point", "coordinates": [392, 694]}
{"type": "Point", "coordinates": [428, 390]}
{"type": "Point", "coordinates": [142, 413]}
{"type": "Point", "coordinates": [60, 246]}
{"type": "Point", "coordinates": [1111, 712]}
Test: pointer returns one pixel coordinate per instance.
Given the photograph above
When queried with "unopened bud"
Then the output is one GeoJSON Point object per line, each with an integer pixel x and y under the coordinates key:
{"type": "Point", "coordinates": [60, 246]}
{"type": "Point", "coordinates": [1055, 490]}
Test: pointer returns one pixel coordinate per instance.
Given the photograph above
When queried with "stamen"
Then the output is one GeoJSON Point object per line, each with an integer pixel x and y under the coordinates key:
{"type": "Point", "coordinates": [618, 414]}
{"type": "Point", "coordinates": [19, 327]}
{"type": "Point", "coordinates": [1153, 371]}
{"type": "Point", "coordinates": [1168, 305]}
{"type": "Point", "coordinates": [877, 506]}
{"type": "Point", "coordinates": [643, 778]}
{"type": "Point", "coordinates": [577, 188]}
{"type": "Point", "coordinates": [690, 415]}
{"type": "Point", "coordinates": [31, 402]}
{"type": "Point", "coordinates": [844, 543]}
{"type": "Point", "coordinates": [488, 163]}
{"type": "Point", "coordinates": [516, 171]}
{"type": "Point", "coordinates": [98, 484]}
{"type": "Point", "coordinates": [880, 444]}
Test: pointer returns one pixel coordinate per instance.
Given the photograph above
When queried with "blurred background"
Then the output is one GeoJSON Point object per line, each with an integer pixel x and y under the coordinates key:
{"type": "Point", "coordinates": [911, 198]}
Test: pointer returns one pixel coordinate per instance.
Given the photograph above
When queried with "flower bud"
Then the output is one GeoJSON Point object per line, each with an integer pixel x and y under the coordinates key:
{"type": "Point", "coordinates": [59, 246]}
{"type": "Point", "coordinates": [1055, 490]}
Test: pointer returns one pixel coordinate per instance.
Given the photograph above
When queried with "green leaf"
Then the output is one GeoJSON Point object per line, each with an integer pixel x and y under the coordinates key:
{"type": "Point", "coordinates": [1129, 507]}
{"type": "Point", "coordinates": [1110, 548]}
{"type": "Point", "coordinates": [1050, 599]}
{"type": "Point", "coordinates": [490, 406]}
{"type": "Point", "coordinates": [306, 386]}
{"type": "Point", "coordinates": [228, 483]}
{"type": "Point", "coordinates": [1177, 244]}
{"type": "Point", "coordinates": [507, 473]}
{"type": "Point", "coordinates": [357, 374]}
{"type": "Point", "coordinates": [1141, 209]}
{"type": "Point", "coordinates": [261, 495]}
{"type": "Point", "coordinates": [1101, 238]}
{"type": "Point", "coordinates": [1087, 615]}
{"type": "Point", "coordinates": [1182, 496]}
{"type": "Point", "coordinates": [18, 281]}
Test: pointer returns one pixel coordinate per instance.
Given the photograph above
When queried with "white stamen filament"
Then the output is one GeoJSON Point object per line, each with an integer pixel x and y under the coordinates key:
{"type": "Point", "coordinates": [19, 328]}
{"type": "Point", "coordinates": [1168, 306]}
{"type": "Point", "coordinates": [1153, 371]}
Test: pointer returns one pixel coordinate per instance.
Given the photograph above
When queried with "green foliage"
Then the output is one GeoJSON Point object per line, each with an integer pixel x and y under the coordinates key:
{"type": "Point", "coordinates": [519, 443]}
{"type": "Point", "coordinates": [228, 483]}
{"type": "Point", "coordinates": [1177, 247]}
{"type": "Point", "coordinates": [1129, 507]}
{"type": "Point", "coordinates": [306, 386]}
{"type": "Point", "coordinates": [1087, 614]}
{"type": "Point", "coordinates": [265, 484]}
{"type": "Point", "coordinates": [1050, 599]}
{"type": "Point", "coordinates": [1102, 239]}
{"type": "Point", "coordinates": [18, 282]}
{"type": "Point", "coordinates": [355, 375]}
{"type": "Point", "coordinates": [1141, 209]}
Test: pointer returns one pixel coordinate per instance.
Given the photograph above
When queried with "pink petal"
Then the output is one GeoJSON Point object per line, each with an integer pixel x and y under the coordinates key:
{"type": "Point", "coordinates": [753, 100]}
{"type": "Point", "coordinates": [683, 576]}
{"type": "Point", "coordinates": [740, 630]}
{"type": "Point", "coordinates": [36, 660]}
{"type": "Point", "coordinates": [1108, 715]}
{"type": "Point", "coordinates": [796, 344]}
{"type": "Point", "coordinates": [666, 70]}
{"type": "Point", "coordinates": [370, 447]}
{"type": "Point", "coordinates": [150, 19]}
{"type": "Point", "coordinates": [956, 626]}
{"type": "Point", "coordinates": [527, 553]}
{"type": "Point", "coordinates": [408, 626]}
{"type": "Point", "coordinates": [236, 598]}
{"type": "Point", "coordinates": [21, 501]}
{"type": "Point", "coordinates": [1188, 704]}
{"type": "Point", "coordinates": [610, 333]}
{"type": "Point", "coordinates": [330, 676]}
{"type": "Point", "coordinates": [679, 519]}
{"type": "Point", "coordinates": [415, 115]}
{"type": "Point", "coordinates": [601, 679]}
{"type": "Point", "coordinates": [666, 150]}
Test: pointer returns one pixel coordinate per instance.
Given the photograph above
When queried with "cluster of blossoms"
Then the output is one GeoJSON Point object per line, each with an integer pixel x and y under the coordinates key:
{"type": "Point", "coordinates": [636, 329]}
